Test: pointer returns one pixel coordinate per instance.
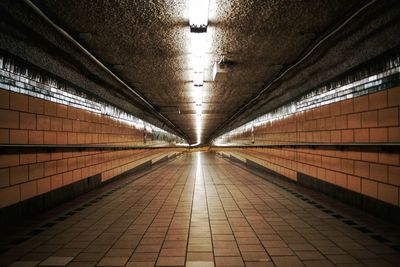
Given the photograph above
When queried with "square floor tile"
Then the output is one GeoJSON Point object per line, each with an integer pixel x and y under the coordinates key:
{"type": "Point", "coordinates": [113, 261]}
{"type": "Point", "coordinates": [56, 261]}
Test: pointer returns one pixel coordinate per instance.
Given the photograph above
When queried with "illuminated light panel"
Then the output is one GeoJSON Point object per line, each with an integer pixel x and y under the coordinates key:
{"type": "Point", "coordinates": [215, 70]}
{"type": "Point", "coordinates": [198, 79]}
{"type": "Point", "coordinates": [198, 42]}
{"type": "Point", "coordinates": [198, 16]}
{"type": "Point", "coordinates": [198, 127]}
{"type": "Point", "coordinates": [198, 63]}
{"type": "Point", "coordinates": [199, 110]}
{"type": "Point", "coordinates": [198, 21]}
{"type": "Point", "coordinates": [198, 101]}
{"type": "Point", "coordinates": [198, 92]}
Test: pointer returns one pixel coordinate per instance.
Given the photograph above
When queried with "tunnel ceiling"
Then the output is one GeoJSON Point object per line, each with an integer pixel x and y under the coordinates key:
{"type": "Point", "coordinates": [146, 43]}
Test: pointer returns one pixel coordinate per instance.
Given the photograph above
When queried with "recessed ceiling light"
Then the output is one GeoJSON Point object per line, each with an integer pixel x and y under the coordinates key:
{"type": "Point", "coordinates": [198, 17]}
{"type": "Point", "coordinates": [198, 95]}
{"type": "Point", "coordinates": [198, 78]}
{"type": "Point", "coordinates": [198, 63]}
{"type": "Point", "coordinates": [198, 42]}
{"type": "Point", "coordinates": [198, 22]}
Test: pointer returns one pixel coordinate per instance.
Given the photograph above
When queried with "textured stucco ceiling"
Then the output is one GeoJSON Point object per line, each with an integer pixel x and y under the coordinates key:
{"type": "Point", "coordinates": [146, 43]}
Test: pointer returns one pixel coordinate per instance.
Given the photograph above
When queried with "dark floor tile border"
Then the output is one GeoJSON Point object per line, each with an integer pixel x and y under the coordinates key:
{"type": "Point", "coordinates": [142, 167]}
{"type": "Point", "coordinates": [368, 204]}
{"type": "Point", "coordinates": [258, 167]}
{"type": "Point", "coordinates": [26, 208]}
{"type": "Point", "coordinates": [146, 166]}
{"type": "Point", "coordinates": [251, 165]}
{"type": "Point", "coordinates": [163, 159]}
{"type": "Point", "coordinates": [371, 205]}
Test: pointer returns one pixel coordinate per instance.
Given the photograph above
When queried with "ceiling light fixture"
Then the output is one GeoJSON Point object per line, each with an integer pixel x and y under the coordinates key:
{"type": "Point", "coordinates": [198, 19]}
{"type": "Point", "coordinates": [198, 22]}
{"type": "Point", "coordinates": [199, 110]}
{"type": "Point", "coordinates": [198, 43]}
{"type": "Point", "coordinates": [198, 95]}
{"type": "Point", "coordinates": [198, 78]}
{"type": "Point", "coordinates": [198, 63]}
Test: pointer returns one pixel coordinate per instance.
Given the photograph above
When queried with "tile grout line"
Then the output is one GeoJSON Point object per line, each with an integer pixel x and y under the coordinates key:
{"type": "Point", "coordinates": [223, 207]}
{"type": "Point", "coordinates": [244, 216]}
{"type": "Point", "coordinates": [169, 225]}
{"type": "Point", "coordinates": [317, 204]}
{"type": "Point", "coordinates": [28, 233]}
{"type": "Point", "coordinates": [154, 216]}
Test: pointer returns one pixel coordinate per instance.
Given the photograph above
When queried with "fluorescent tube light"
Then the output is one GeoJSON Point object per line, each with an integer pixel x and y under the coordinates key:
{"type": "Point", "coordinates": [198, 94]}
{"type": "Point", "coordinates": [198, 21]}
{"type": "Point", "coordinates": [198, 63]}
{"type": "Point", "coordinates": [198, 78]}
{"type": "Point", "coordinates": [198, 17]}
{"type": "Point", "coordinates": [198, 43]}
{"type": "Point", "coordinates": [199, 109]}
{"type": "Point", "coordinates": [215, 70]}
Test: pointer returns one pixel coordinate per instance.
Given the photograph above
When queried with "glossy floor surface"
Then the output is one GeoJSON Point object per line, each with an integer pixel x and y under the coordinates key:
{"type": "Point", "coordinates": [202, 210]}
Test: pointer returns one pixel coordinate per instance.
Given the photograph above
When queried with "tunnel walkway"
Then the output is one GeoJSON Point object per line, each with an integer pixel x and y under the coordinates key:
{"type": "Point", "coordinates": [198, 210]}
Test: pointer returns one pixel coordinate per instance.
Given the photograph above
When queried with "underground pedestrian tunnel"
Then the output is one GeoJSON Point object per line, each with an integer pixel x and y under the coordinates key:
{"type": "Point", "coordinates": [199, 133]}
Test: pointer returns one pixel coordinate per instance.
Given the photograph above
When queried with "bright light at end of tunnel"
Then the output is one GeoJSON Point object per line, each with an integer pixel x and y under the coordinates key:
{"type": "Point", "coordinates": [198, 22]}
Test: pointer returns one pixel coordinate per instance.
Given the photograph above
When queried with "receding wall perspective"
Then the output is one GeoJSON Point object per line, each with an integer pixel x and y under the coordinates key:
{"type": "Point", "coordinates": [200, 133]}
{"type": "Point", "coordinates": [346, 144]}
{"type": "Point", "coordinates": [29, 121]}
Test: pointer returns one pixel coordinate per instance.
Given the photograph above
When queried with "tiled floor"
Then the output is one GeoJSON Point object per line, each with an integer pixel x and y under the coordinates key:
{"type": "Point", "coordinates": [198, 210]}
